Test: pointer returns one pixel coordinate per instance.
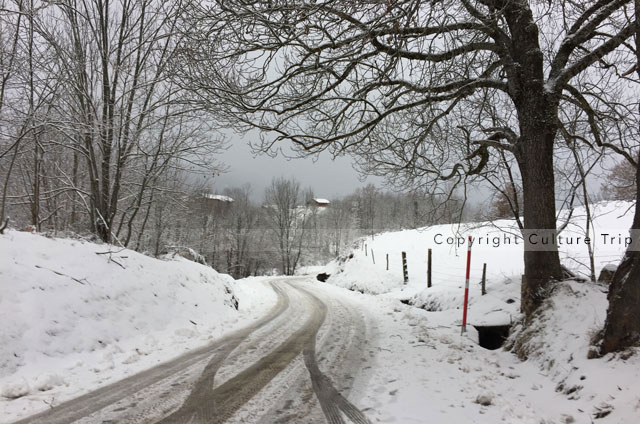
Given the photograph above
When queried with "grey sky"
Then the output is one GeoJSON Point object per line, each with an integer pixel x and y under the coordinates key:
{"type": "Point", "coordinates": [328, 178]}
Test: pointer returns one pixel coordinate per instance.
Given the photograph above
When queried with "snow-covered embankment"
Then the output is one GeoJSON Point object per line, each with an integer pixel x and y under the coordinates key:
{"type": "Point", "coordinates": [77, 315]}
{"type": "Point", "coordinates": [433, 374]}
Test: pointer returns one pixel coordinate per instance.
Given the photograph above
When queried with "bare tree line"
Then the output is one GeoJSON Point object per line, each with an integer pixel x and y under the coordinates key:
{"type": "Point", "coordinates": [98, 136]}
{"type": "Point", "coordinates": [92, 131]}
{"type": "Point", "coordinates": [289, 229]}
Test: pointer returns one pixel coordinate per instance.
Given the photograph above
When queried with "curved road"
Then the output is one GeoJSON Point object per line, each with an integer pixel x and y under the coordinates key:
{"type": "Point", "coordinates": [297, 364]}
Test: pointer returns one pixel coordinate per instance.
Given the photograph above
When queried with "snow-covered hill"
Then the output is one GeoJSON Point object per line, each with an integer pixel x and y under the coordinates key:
{"type": "Point", "coordinates": [494, 244]}
{"type": "Point", "coordinates": [76, 315]}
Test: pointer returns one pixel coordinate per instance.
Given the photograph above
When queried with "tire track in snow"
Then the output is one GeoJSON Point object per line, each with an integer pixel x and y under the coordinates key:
{"type": "Point", "coordinates": [207, 404]}
{"type": "Point", "coordinates": [331, 401]}
{"type": "Point", "coordinates": [92, 402]}
{"type": "Point", "coordinates": [303, 392]}
{"type": "Point", "coordinates": [164, 390]}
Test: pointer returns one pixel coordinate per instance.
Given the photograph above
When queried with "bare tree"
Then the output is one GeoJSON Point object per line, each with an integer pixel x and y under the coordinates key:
{"type": "Point", "coordinates": [506, 202]}
{"type": "Point", "coordinates": [242, 223]}
{"type": "Point", "coordinates": [620, 182]}
{"type": "Point", "coordinates": [89, 121]}
{"type": "Point", "coordinates": [622, 326]}
{"type": "Point", "coordinates": [367, 208]}
{"type": "Point", "coordinates": [340, 222]}
{"type": "Point", "coordinates": [287, 220]}
{"type": "Point", "coordinates": [11, 22]}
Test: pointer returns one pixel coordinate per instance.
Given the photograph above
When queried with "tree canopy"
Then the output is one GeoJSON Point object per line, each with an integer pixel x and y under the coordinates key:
{"type": "Point", "coordinates": [426, 91]}
{"type": "Point", "coordinates": [420, 89]}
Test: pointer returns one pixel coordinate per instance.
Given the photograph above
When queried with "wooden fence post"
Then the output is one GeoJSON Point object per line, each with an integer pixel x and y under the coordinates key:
{"type": "Point", "coordinates": [428, 268]}
{"type": "Point", "coordinates": [387, 262]}
{"type": "Point", "coordinates": [405, 270]}
{"type": "Point", "coordinates": [373, 258]}
{"type": "Point", "coordinates": [484, 279]}
{"type": "Point", "coordinates": [365, 250]}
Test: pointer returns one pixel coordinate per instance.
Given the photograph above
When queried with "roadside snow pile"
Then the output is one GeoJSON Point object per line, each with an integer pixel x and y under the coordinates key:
{"type": "Point", "coordinates": [77, 315]}
{"type": "Point", "coordinates": [558, 383]}
{"type": "Point", "coordinates": [500, 307]}
{"type": "Point", "coordinates": [421, 369]}
{"type": "Point", "coordinates": [355, 271]}
{"type": "Point", "coordinates": [559, 341]}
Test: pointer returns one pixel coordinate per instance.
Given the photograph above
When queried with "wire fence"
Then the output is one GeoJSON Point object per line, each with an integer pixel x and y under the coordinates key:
{"type": "Point", "coordinates": [431, 272]}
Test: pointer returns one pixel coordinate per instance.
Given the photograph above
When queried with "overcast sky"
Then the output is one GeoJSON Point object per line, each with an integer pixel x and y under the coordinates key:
{"type": "Point", "coordinates": [328, 178]}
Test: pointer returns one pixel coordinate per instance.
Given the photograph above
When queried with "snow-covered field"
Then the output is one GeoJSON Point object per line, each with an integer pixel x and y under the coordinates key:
{"type": "Point", "coordinates": [503, 260]}
{"type": "Point", "coordinates": [77, 315]}
{"type": "Point", "coordinates": [428, 372]}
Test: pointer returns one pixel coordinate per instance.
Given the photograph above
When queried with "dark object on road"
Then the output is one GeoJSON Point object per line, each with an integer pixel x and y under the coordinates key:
{"type": "Point", "coordinates": [484, 400]}
{"type": "Point", "coordinates": [323, 276]}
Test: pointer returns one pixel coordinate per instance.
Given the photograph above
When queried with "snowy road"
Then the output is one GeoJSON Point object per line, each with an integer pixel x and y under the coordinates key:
{"type": "Point", "coordinates": [296, 364]}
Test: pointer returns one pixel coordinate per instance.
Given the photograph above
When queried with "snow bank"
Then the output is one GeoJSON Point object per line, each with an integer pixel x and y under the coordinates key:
{"type": "Point", "coordinates": [496, 245]}
{"type": "Point", "coordinates": [432, 373]}
{"type": "Point", "coordinates": [558, 340]}
{"type": "Point", "coordinates": [422, 370]}
{"type": "Point", "coordinates": [76, 315]}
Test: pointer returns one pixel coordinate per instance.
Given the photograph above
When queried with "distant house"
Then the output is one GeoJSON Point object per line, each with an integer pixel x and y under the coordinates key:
{"type": "Point", "coordinates": [218, 197]}
{"type": "Point", "coordinates": [321, 203]}
{"type": "Point", "coordinates": [208, 203]}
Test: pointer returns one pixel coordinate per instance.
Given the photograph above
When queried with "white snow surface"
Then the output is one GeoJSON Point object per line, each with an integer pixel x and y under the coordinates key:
{"type": "Point", "coordinates": [425, 371]}
{"type": "Point", "coordinates": [63, 335]}
{"type": "Point", "coordinates": [504, 262]}
{"type": "Point", "coordinates": [418, 368]}
{"type": "Point", "coordinates": [77, 315]}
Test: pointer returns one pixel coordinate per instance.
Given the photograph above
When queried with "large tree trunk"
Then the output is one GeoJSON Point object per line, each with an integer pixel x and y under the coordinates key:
{"type": "Point", "coordinates": [622, 327]}
{"type": "Point", "coordinates": [541, 263]}
{"type": "Point", "coordinates": [534, 153]}
{"type": "Point", "coordinates": [537, 115]}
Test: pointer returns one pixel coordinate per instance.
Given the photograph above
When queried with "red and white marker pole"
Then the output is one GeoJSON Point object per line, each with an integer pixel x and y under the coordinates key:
{"type": "Point", "coordinates": [466, 288]}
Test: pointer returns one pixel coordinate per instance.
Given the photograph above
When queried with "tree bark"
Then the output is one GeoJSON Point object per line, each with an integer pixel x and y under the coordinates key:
{"type": "Point", "coordinates": [37, 153]}
{"type": "Point", "coordinates": [537, 114]}
{"type": "Point", "coordinates": [541, 263]}
{"type": "Point", "coordinates": [622, 326]}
